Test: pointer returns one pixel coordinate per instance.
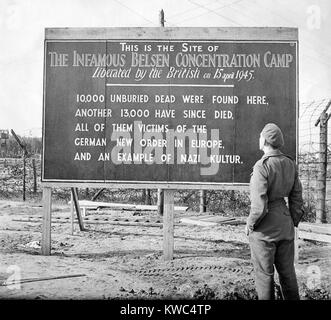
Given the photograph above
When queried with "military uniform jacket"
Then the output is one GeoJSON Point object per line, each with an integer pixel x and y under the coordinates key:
{"type": "Point", "coordinates": [274, 178]}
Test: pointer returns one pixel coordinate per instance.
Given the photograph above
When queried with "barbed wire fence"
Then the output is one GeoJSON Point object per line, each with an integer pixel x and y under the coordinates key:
{"type": "Point", "coordinates": [308, 156]}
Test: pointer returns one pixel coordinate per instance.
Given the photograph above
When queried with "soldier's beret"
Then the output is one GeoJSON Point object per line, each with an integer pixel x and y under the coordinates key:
{"type": "Point", "coordinates": [273, 135]}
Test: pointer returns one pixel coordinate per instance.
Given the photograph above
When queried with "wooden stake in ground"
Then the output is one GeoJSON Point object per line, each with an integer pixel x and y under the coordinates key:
{"type": "Point", "coordinates": [168, 225]}
{"type": "Point", "coordinates": [77, 207]}
{"type": "Point", "coordinates": [72, 212]}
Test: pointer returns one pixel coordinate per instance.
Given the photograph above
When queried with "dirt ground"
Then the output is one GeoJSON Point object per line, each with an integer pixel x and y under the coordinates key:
{"type": "Point", "coordinates": [126, 262]}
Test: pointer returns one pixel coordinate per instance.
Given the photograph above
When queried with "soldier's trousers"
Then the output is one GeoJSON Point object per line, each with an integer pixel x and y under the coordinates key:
{"type": "Point", "coordinates": [265, 255]}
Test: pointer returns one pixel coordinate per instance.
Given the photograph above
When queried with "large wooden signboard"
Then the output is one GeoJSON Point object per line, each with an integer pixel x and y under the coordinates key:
{"type": "Point", "coordinates": [173, 108]}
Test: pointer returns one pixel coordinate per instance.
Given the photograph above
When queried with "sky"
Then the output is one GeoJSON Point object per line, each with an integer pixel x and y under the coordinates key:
{"type": "Point", "coordinates": [22, 24]}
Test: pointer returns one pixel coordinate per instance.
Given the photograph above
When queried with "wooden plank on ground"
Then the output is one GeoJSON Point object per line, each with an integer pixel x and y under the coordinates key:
{"type": "Point", "coordinates": [154, 208]}
{"type": "Point", "coordinates": [314, 236]}
{"type": "Point", "coordinates": [200, 217]}
{"type": "Point", "coordinates": [124, 206]}
{"type": "Point", "coordinates": [198, 222]}
{"type": "Point", "coordinates": [21, 281]}
{"type": "Point", "coordinates": [209, 220]}
{"type": "Point", "coordinates": [109, 222]}
{"type": "Point", "coordinates": [234, 222]}
{"type": "Point", "coordinates": [320, 228]}
{"type": "Point", "coordinates": [217, 219]}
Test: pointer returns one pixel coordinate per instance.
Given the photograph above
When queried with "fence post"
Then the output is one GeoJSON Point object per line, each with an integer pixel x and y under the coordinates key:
{"type": "Point", "coordinates": [148, 200]}
{"type": "Point", "coordinates": [321, 179]}
{"type": "Point", "coordinates": [24, 174]}
{"type": "Point", "coordinates": [160, 201]}
{"type": "Point", "coordinates": [202, 201]}
{"type": "Point", "coordinates": [34, 175]}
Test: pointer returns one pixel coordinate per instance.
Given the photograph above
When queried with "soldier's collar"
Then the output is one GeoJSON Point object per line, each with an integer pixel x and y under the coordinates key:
{"type": "Point", "coordinates": [272, 153]}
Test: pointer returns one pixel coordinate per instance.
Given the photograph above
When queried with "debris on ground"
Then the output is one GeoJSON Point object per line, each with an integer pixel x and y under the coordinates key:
{"type": "Point", "coordinates": [210, 262]}
{"type": "Point", "coordinates": [33, 244]}
{"type": "Point", "coordinates": [204, 293]}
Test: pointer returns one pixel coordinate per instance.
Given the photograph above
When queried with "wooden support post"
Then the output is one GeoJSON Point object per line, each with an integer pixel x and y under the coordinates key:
{"type": "Point", "coordinates": [203, 206]}
{"type": "Point", "coordinates": [79, 216]}
{"type": "Point", "coordinates": [168, 225]}
{"type": "Point", "coordinates": [160, 201]}
{"type": "Point", "coordinates": [162, 18]}
{"type": "Point", "coordinates": [160, 192]}
{"type": "Point", "coordinates": [321, 179]}
{"type": "Point", "coordinates": [46, 223]}
{"type": "Point", "coordinates": [146, 196]}
{"type": "Point", "coordinates": [72, 212]}
{"type": "Point", "coordinates": [34, 176]}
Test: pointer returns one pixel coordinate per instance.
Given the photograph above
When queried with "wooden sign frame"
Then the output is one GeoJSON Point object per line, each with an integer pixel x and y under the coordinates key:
{"type": "Point", "coordinates": [220, 34]}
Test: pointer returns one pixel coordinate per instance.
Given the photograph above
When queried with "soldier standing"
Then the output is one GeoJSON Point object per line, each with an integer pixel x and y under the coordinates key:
{"type": "Point", "coordinates": [270, 224]}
